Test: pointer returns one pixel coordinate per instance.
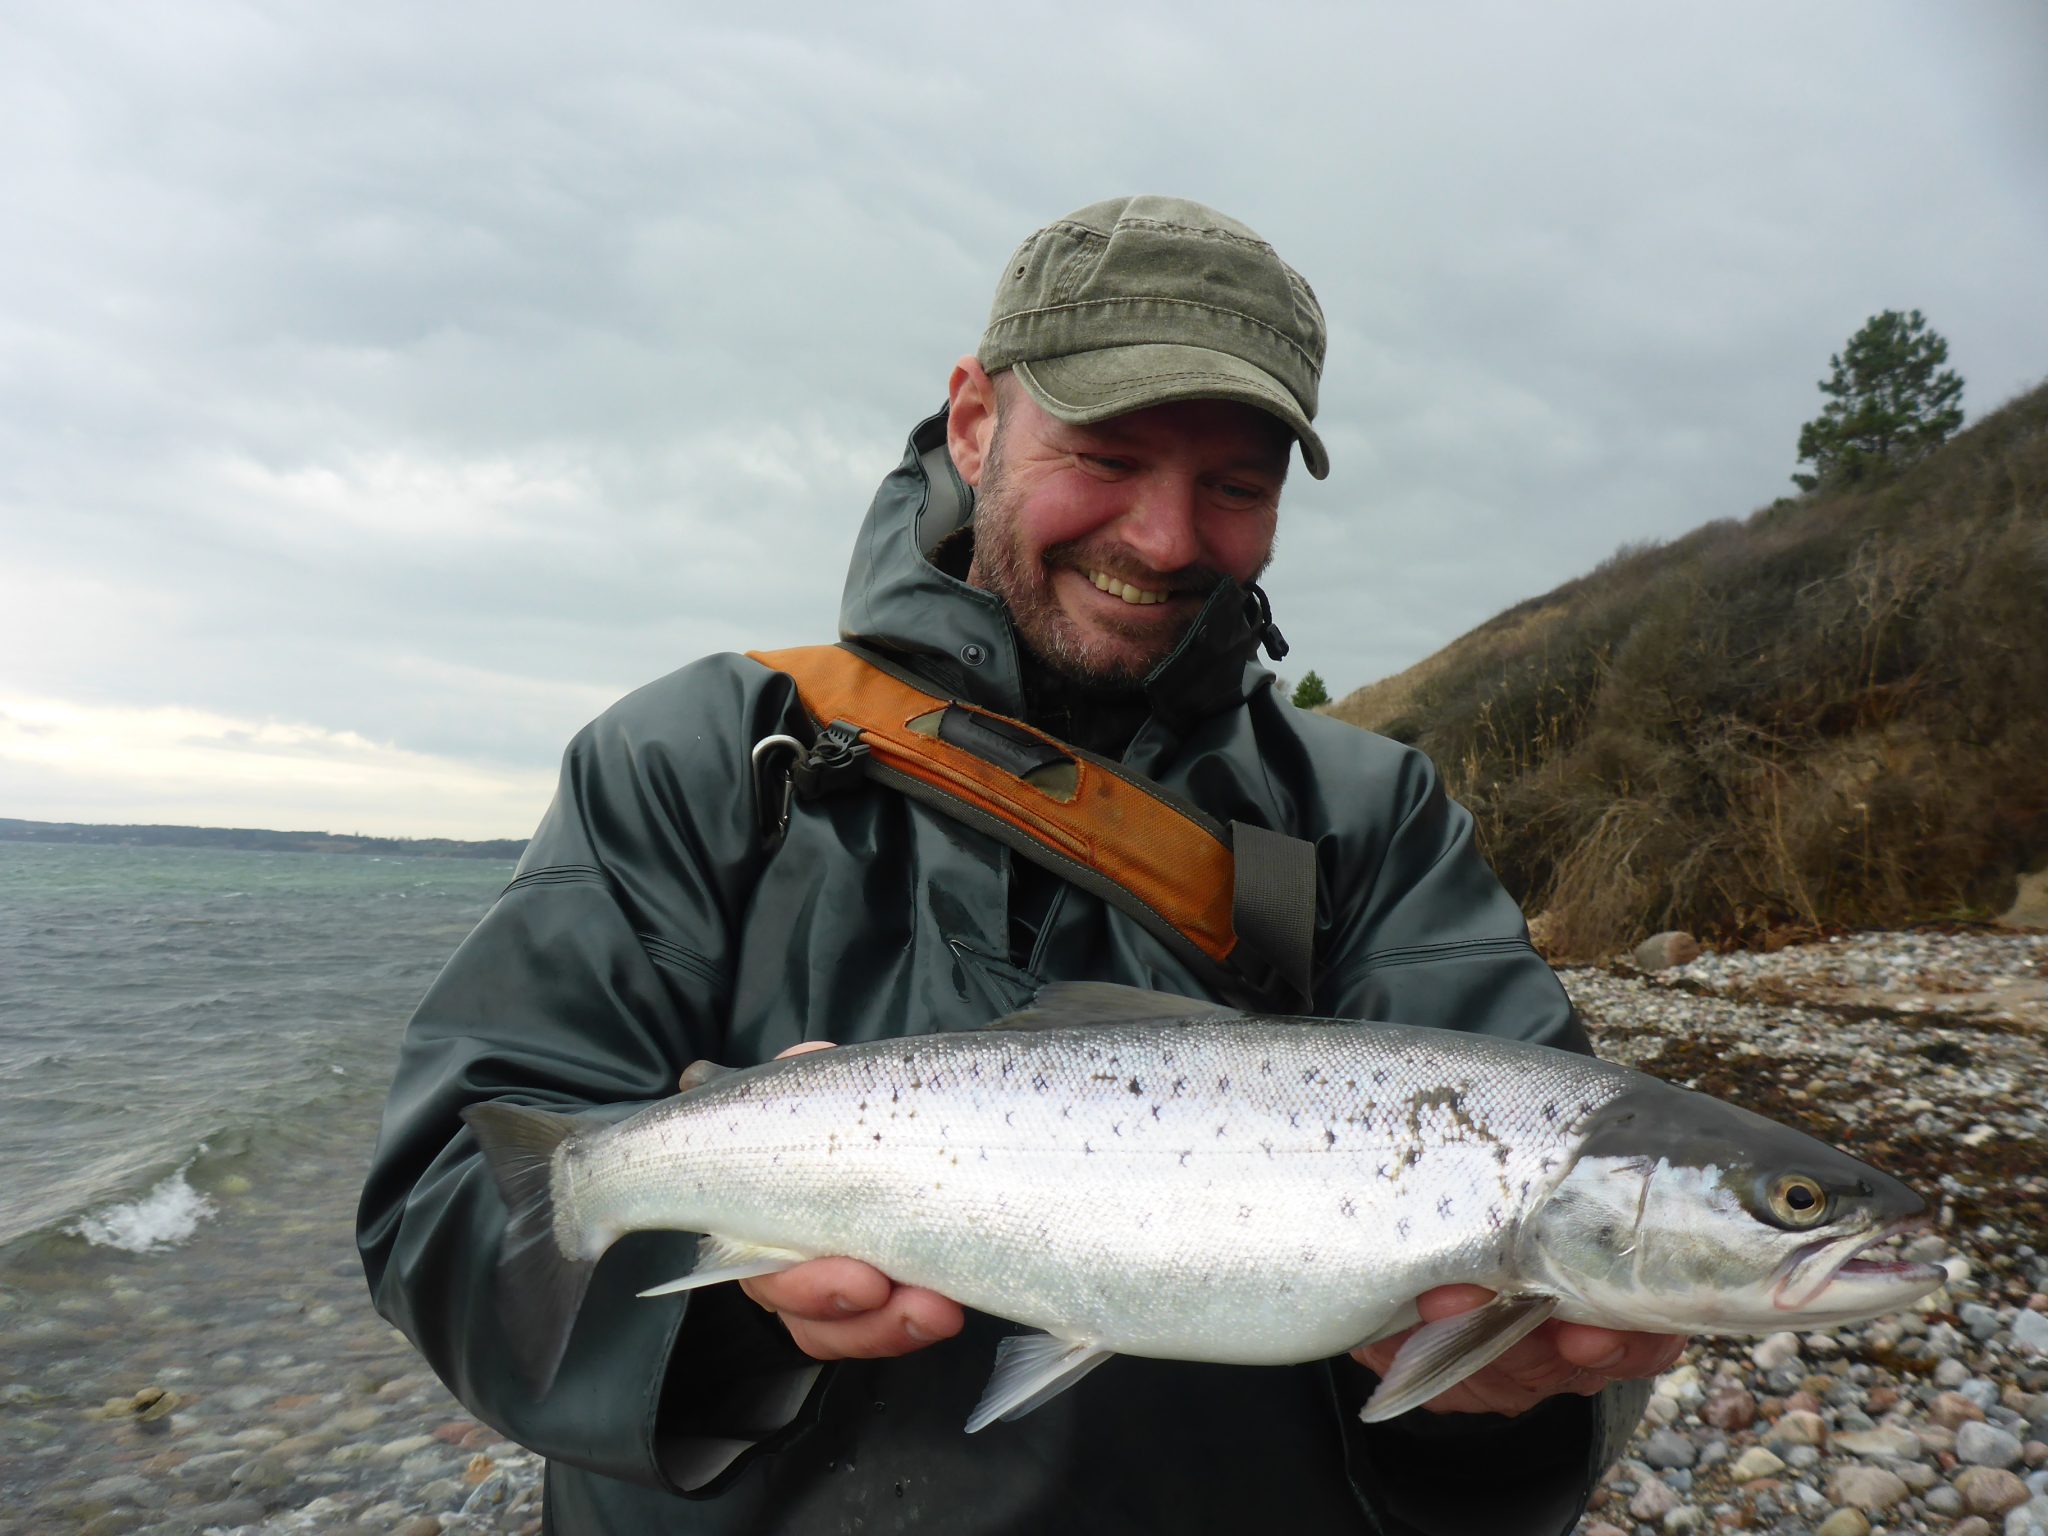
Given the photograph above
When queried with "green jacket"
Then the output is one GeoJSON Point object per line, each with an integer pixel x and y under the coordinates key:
{"type": "Point", "coordinates": [646, 928]}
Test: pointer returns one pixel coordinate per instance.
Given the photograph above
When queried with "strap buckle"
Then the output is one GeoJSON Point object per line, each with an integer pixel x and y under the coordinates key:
{"type": "Point", "coordinates": [833, 763]}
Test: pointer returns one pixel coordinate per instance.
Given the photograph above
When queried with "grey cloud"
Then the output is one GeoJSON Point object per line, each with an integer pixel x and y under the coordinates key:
{"type": "Point", "coordinates": [435, 374]}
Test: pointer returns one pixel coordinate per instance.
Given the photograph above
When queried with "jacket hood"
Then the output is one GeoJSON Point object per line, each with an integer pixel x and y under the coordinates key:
{"type": "Point", "coordinates": [961, 638]}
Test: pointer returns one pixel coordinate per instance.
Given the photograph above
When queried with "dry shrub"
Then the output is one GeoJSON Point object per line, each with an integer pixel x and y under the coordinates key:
{"type": "Point", "coordinates": [1835, 713]}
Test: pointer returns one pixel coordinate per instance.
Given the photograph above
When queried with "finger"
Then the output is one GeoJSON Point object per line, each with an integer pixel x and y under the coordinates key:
{"type": "Point", "coordinates": [825, 1290]}
{"type": "Point", "coordinates": [910, 1320]}
{"type": "Point", "coordinates": [1617, 1353]}
{"type": "Point", "coordinates": [1449, 1300]}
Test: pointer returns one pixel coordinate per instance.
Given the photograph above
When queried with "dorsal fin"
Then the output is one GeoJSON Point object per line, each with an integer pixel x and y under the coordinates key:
{"type": "Point", "coordinates": [1085, 1004]}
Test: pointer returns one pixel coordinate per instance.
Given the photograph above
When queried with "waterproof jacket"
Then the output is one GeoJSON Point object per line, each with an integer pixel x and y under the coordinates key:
{"type": "Point", "coordinates": [647, 927]}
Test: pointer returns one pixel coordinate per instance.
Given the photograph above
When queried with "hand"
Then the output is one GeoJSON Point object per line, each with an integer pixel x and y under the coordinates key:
{"type": "Point", "coordinates": [842, 1309]}
{"type": "Point", "coordinates": [1557, 1357]}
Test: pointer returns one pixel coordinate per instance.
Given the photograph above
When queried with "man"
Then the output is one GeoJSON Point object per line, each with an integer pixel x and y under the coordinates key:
{"type": "Point", "coordinates": [1125, 430]}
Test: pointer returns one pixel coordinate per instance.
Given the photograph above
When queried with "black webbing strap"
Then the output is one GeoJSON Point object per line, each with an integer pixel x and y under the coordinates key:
{"type": "Point", "coordinates": [1273, 907]}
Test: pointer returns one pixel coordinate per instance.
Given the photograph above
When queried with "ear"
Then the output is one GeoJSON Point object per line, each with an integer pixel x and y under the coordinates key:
{"type": "Point", "coordinates": [971, 421]}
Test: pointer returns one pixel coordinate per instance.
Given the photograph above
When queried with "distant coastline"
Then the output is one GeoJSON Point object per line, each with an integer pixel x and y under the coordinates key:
{"type": "Point", "coordinates": [256, 839]}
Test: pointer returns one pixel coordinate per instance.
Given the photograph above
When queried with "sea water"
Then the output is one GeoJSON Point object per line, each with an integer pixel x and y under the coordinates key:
{"type": "Point", "coordinates": [178, 1020]}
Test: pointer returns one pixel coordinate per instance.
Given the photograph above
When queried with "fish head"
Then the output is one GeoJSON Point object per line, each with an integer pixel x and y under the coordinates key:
{"type": "Point", "coordinates": [1683, 1214]}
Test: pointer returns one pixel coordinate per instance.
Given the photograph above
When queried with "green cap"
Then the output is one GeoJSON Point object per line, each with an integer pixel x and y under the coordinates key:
{"type": "Point", "coordinates": [1141, 300]}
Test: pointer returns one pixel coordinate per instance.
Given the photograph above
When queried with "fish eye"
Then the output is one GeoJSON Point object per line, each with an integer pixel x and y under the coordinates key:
{"type": "Point", "coordinates": [1798, 1201]}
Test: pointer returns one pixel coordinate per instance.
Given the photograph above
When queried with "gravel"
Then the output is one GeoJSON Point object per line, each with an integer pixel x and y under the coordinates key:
{"type": "Point", "coordinates": [1925, 1053]}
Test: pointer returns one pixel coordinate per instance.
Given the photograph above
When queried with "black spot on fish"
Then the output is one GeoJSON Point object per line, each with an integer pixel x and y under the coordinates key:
{"type": "Point", "coordinates": [1401, 1229]}
{"type": "Point", "coordinates": [1411, 1157]}
{"type": "Point", "coordinates": [1347, 1207]}
{"type": "Point", "coordinates": [1266, 1068]}
{"type": "Point", "coordinates": [1329, 1137]}
{"type": "Point", "coordinates": [1178, 1084]}
{"type": "Point", "coordinates": [1268, 1146]}
{"type": "Point", "coordinates": [1135, 1088]}
{"type": "Point", "coordinates": [1379, 1076]}
{"type": "Point", "coordinates": [1443, 1205]}
{"type": "Point", "coordinates": [895, 1095]}
{"type": "Point", "coordinates": [878, 1135]}
{"type": "Point", "coordinates": [1223, 1085]}
{"type": "Point", "coordinates": [1244, 1213]}
{"type": "Point", "coordinates": [1550, 1113]}
{"type": "Point", "coordinates": [1383, 1171]}
{"type": "Point", "coordinates": [1219, 1132]}
{"type": "Point", "coordinates": [1495, 1219]}
{"type": "Point", "coordinates": [1155, 1111]}
{"type": "Point", "coordinates": [1007, 1117]}
{"type": "Point", "coordinates": [1087, 1150]}
{"type": "Point", "coordinates": [1185, 1156]}
{"type": "Point", "coordinates": [1038, 1081]}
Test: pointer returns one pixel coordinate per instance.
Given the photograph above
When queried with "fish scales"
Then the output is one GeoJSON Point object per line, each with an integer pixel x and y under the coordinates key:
{"type": "Point", "coordinates": [1242, 1191]}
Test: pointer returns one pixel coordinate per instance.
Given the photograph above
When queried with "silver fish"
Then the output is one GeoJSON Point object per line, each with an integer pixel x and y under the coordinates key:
{"type": "Point", "coordinates": [1137, 1173]}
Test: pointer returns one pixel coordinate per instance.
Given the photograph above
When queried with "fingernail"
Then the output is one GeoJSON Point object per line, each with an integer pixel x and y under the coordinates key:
{"type": "Point", "coordinates": [1610, 1360]}
{"type": "Point", "coordinates": [840, 1303]}
{"type": "Point", "coordinates": [917, 1335]}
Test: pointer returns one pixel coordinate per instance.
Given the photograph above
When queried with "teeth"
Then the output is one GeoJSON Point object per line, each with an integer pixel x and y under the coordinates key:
{"type": "Point", "coordinates": [1124, 589]}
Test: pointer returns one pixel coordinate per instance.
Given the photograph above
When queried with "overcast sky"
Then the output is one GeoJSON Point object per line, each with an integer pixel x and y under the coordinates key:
{"type": "Point", "coordinates": [386, 388]}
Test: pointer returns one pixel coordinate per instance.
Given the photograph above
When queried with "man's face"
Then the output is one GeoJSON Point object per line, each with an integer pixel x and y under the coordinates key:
{"type": "Point", "coordinates": [1105, 539]}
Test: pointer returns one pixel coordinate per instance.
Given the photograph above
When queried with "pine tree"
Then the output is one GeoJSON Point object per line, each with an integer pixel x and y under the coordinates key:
{"type": "Point", "coordinates": [1310, 692]}
{"type": "Point", "coordinates": [1890, 402]}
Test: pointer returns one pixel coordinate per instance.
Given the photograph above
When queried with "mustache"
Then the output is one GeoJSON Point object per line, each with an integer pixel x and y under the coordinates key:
{"type": "Point", "coordinates": [1189, 580]}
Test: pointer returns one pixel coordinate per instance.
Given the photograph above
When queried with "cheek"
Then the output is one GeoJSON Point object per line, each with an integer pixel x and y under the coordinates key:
{"type": "Point", "coordinates": [1238, 543]}
{"type": "Point", "coordinates": [1070, 514]}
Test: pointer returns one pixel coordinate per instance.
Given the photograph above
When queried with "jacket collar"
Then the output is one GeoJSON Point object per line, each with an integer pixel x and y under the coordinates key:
{"type": "Point", "coordinates": [961, 639]}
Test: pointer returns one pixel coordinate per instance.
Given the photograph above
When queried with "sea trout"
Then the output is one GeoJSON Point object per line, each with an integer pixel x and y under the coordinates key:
{"type": "Point", "coordinates": [1132, 1172]}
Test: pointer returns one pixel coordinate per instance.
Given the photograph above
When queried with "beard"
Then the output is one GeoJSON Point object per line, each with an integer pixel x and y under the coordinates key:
{"type": "Point", "coordinates": [1003, 566]}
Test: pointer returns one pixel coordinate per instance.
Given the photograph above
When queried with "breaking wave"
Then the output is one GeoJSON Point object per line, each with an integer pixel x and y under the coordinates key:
{"type": "Point", "coordinates": [163, 1218]}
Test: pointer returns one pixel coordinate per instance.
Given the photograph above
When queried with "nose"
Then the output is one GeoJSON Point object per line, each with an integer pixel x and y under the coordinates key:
{"type": "Point", "coordinates": [1160, 528]}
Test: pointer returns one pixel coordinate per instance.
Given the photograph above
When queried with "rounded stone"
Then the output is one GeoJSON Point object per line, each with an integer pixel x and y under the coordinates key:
{"type": "Point", "coordinates": [1652, 1500]}
{"type": "Point", "coordinates": [1843, 1522]}
{"type": "Point", "coordinates": [1884, 1440]}
{"type": "Point", "coordinates": [1798, 1427]}
{"type": "Point", "coordinates": [1952, 1410]}
{"type": "Point", "coordinates": [1729, 1408]}
{"type": "Point", "coordinates": [1870, 1489]}
{"type": "Point", "coordinates": [1986, 1445]}
{"type": "Point", "coordinates": [1989, 1490]}
{"type": "Point", "coordinates": [1775, 1351]}
{"type": "Point", "coordinates": [1754, 1463]}
{"type": "Point", "coordinates": [1666, 1449]}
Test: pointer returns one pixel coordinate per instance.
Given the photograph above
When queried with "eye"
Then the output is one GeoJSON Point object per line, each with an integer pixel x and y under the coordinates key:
{"type": "Point", "coordinates": [1104, 461]}
{"type": "Point", "coordinates": [1798, 1201]}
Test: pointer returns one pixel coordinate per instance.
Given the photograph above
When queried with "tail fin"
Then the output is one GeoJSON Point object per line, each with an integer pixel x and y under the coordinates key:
{"type": "Point", "coordinates": [540, 1285]}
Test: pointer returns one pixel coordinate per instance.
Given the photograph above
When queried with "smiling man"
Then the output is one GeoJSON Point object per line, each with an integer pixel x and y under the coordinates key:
{"type": "Point", "coordinates": [1074, 542]}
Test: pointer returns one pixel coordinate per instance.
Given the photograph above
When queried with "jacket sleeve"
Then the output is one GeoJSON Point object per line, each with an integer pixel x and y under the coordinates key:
{"type": "Point", "coordinates": [1427, 936]}
{"type": "Point", "coordinates": [600, 972]}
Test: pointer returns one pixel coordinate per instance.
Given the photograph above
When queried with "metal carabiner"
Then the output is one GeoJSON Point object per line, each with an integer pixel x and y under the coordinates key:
{"type": "Point", "coordinates": [773, 813]}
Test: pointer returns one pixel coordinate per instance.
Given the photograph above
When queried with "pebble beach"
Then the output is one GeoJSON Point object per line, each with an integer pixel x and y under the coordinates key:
{"type": "Point", "coordinates": [249, 1388]}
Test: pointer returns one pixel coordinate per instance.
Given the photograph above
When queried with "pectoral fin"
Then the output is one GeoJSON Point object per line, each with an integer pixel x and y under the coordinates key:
{"type": "Point", "coordinates": [727, 1258]}
{"type": "Point", "coordinates": [1031, 1369]}
{"type": "Point", "coordinates": [1439, 1355]}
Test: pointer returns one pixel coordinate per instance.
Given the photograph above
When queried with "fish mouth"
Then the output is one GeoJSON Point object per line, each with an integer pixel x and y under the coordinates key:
{"type": "Point", "coordinates": [1831, 1277]}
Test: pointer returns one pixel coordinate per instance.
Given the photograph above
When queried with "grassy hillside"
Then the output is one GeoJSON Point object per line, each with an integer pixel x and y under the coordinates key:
{"type": "Point", "coordinates": [1833, 712]}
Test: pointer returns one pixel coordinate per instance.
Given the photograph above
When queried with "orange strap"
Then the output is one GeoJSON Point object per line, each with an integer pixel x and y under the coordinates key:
{"type": "Point", "coordinates": [1071, 805]}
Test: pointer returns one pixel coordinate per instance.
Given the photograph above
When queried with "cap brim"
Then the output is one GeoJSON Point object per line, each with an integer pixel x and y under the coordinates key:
{"type": "Point", "coordinates": [1084, 387]}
